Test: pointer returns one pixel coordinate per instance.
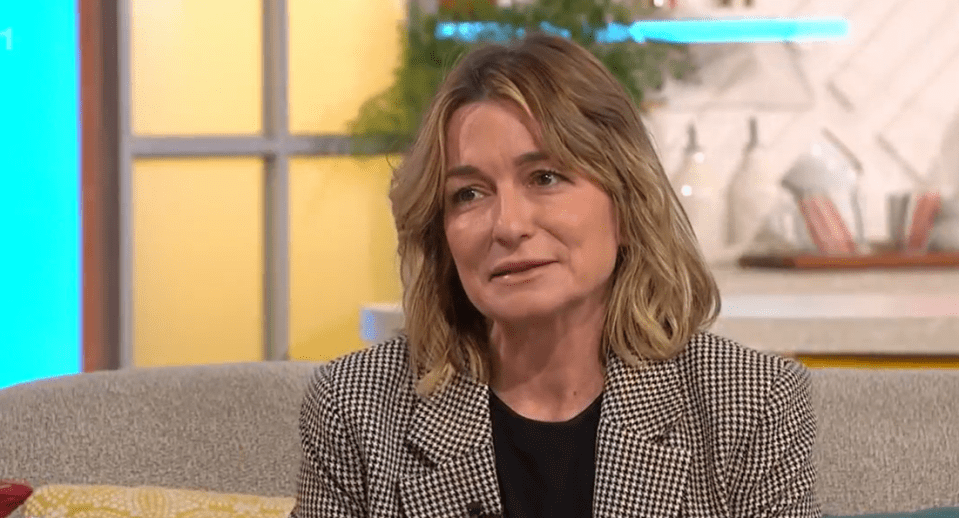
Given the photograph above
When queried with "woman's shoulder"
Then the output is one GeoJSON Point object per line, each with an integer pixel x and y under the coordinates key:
{"type": "Point", "coordinates": [374, 373]}
{"type": "Point", "coordinates": [726, 370]}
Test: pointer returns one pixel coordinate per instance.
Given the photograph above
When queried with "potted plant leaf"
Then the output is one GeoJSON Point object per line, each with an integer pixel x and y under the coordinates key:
{"type": "Point", "coordinates": [388, 122]}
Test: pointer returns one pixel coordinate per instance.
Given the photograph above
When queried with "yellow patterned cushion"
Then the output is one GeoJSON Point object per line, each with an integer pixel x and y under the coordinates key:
{"type": "Point", "coordinates": [75, 501]}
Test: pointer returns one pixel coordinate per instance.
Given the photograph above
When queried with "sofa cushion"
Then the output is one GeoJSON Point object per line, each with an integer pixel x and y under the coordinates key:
{"type": "Point", "coordinates": [941, 512]}
{"type": "Point", "coordinates": [231, 428]}
{"type": "Point", "coordinates": [886, 439]}
{"type": "Point", "coordinates": [70, 501]}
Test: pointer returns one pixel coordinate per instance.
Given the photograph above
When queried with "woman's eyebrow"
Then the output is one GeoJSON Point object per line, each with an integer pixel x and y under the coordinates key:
{"type": "Point", "coordinates": [530, 157]}
{"type": "Point", "coordinates": [462, 170]}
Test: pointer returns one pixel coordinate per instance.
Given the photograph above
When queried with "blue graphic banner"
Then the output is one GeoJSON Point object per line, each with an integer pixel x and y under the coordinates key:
{"type": "Point", "coordinates": [40, 200]}
{"type": "Point", "coordinates": [670, 31]}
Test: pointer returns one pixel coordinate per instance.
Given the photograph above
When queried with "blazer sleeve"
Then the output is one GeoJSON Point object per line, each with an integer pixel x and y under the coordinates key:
{"type": "Point", "coordinates": [331, 481]}
{"type": "Point", "coordinates": [779, 476]}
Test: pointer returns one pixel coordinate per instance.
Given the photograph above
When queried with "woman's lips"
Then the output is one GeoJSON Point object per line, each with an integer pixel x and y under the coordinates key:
{"type": "Point", "coordinates": [514, 269]}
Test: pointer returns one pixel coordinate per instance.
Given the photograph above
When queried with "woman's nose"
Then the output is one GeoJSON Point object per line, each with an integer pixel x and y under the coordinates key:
{"type": "Point", "coordinates": [514, 217]}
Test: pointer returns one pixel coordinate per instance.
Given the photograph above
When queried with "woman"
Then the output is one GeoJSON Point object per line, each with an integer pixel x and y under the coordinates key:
{"type": "Point", "coordinates": [554, 361]}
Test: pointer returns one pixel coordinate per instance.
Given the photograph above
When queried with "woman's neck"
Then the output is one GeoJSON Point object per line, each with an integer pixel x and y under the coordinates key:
{"type": "Point", "coordinates": [550, 369]}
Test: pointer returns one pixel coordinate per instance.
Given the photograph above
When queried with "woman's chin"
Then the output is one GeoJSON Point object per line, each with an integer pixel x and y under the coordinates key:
{"type": "Point", "coordinates": [523, 313]}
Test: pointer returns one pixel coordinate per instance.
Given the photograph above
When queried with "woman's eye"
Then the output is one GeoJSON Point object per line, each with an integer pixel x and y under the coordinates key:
{"type": "Point", "coordinates": [546, 178]}
{"type": "Point", "coordinates": [464, 195]}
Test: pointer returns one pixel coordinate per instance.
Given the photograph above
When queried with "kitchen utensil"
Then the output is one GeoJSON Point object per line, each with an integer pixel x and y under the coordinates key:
{"type": "Point", "coordinates": [945, 232]}
{"type": "Point", "coordinates": [824, 181]}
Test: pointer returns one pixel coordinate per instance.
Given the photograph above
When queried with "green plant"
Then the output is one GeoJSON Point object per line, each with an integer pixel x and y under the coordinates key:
{"type": "Point", "coordinates": [388, 121]}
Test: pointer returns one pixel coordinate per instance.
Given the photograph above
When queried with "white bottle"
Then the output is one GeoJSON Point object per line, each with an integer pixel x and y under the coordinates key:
{"type": "Point", "coordinates": [752, 193]}
{"type": "Point", "coordinates": [702, 199]}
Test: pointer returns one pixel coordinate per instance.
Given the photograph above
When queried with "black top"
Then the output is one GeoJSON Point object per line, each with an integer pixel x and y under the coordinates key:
{"type": "Point", "coordinates": [545, 469]}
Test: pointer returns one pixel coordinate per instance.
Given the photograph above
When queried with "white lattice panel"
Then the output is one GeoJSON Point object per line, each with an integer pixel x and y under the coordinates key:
{"type": "Point", "coordinates": [896, 78]}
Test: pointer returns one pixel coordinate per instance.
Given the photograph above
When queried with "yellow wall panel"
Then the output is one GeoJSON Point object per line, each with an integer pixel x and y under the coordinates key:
{"type": "Point", "coordinates": [342, 52]}
{"type": "Point", "coordinates": [342, 251]}
{"type": "Point", "coordinates": [198, 261]}
{"type": "Point", "coordinates": [197, 66]}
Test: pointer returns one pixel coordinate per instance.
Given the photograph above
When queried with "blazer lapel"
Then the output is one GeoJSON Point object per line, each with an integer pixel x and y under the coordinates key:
{"type": "Point", "coordinates": [452, 431]}
{"type": "Point", "coordinates": [641, 459]}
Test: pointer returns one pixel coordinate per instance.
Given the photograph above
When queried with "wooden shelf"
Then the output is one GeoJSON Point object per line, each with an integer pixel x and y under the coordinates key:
{"type": "Point", "coordinates": [878, 361]}
{"type": "Point", "coordinates": [885, 260]}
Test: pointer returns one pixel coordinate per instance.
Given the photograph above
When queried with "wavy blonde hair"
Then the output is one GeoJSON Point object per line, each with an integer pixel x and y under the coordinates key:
{"type": "Point", "coordinates": [661, 293]}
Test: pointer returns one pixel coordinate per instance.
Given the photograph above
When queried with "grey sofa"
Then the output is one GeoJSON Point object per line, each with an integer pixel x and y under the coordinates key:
{"type": "Point", "coordinates": [888, 440]}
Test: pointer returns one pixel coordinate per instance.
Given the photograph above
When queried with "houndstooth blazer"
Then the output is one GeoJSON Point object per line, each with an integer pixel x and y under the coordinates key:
{"type": "Point", "coordinates": [719, 431]}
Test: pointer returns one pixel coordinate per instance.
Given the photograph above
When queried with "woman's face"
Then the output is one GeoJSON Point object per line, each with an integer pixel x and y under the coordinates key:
{"type": "Point", "coordinates": [529, 241]}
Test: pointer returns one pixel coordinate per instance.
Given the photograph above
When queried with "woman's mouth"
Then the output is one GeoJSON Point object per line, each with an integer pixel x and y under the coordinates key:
{"type": "Point", "coordinates": [517, 267]}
